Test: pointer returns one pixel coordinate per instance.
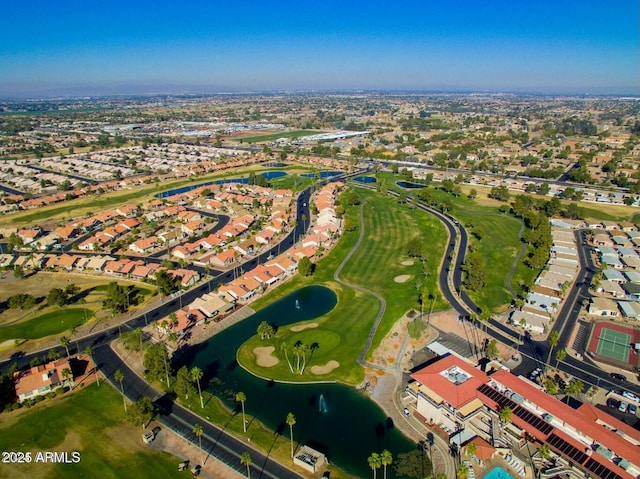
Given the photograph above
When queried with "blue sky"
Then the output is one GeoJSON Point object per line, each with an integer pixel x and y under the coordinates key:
{"type": "Point", "coordinates": [73, 47]}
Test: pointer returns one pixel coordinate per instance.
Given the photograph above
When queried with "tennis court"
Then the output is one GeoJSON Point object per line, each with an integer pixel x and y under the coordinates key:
{"type": "Point", "coordinates": [614, 344]}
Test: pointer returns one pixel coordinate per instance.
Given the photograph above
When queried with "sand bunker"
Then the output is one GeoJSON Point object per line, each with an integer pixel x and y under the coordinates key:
{"type": "Point", "coordinates": [408, 262]}
{"type": "Point", "coordinates": [302, 327]}
{"type": "Point", "coordinates": [403, 278]}
{"type": "Point", "coordinates": [265, 357]}
{"type": "Point", "coordinates": [326, 369]}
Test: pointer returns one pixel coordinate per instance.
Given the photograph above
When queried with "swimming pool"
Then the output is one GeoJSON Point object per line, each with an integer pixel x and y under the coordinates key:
{"type": "Point", "coordinates": [498, 473]}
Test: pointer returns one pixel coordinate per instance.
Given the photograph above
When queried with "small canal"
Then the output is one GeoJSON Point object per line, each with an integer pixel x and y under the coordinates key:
{"type": "Point", "coordinates": [269, 175]}
{"type": "Point", "coordinates": [334, 418]}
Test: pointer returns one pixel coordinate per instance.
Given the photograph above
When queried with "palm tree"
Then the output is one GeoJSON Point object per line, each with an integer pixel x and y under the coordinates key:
{"type": "Point", "coordinates": [245, 460]}
{"type": "Point", "coordinates": [561, 355]}
{"type": "Point", "coordinates": [574, 388]}
{"type": "Point", "coordinates": [386, 459]}
{"type": "Point", "coordinates": [196, 375]}
{"type": "Point", "coordinates": [198, 431]}
{"type": "Point", "coordinates": [119, 376]}
{"type": "Point", "coordinates": [463, 471]}
{"type": "Point", "coordinates": [544, 452]}
{"type": "Point", "coordinates": [291, 421]}
{"type": "Point", "coordinates": [89, 352]}
{"type": "Point", "coordinates": [374, 462]}
{"type": "Point", "coordinates": [64, 341]}
{"type": "Point", "coordinates": [66, 374]}
{"type": "Point", "coordinates": [505, 415]}
{"type": "Point", "coordinates": [53, 354]}
{"type": "Point", "coordinates": [471, 449]}
{"type": "Point", "coordinates": [241, 397]}
{"type": "Point", "coordinates": [553, 339]}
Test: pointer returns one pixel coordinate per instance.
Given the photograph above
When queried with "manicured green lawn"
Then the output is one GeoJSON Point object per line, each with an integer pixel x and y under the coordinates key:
{"type": "Point", "coordinates": [275, 136]}
{"type": "Point", "coordinates": [342, 333]}
{"type": "Point", "coordinates": [47, 324]}
{"type": "Point", "coordinates": [498, 244]}
{"type": "Point", "coordinates": [89, 421]}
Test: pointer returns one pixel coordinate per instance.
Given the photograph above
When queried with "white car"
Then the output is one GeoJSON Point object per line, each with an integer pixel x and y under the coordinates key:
{"type": "Point", "coordinates": [406, 412]}
{"type": "Point", "coordinates": [623, 406]}
{"type": "Point", "coordinates": [630, 395]}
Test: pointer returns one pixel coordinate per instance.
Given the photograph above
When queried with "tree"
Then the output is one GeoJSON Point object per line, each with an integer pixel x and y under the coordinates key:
{"type": "Point", "coordinates": [505, 414]}
{"type": "Point", "coordinates": [492, 349]}
{"type": "Point", "coordinates": [56, 297]}
{"type": "Point", "coordinates": [166, 283]}
{"type": "Point", "coordinates": [117, 298]}
{"type": "Point", "coordinates": [304, 266]}
{"type": "Point", "coordinates": [285, 349]}
{"type": "Point", "coordinates": [386, 458]}
{"type": "Point", "coordinates": [471, 449]}
{"type": "Point", "coordinates": [241, 398]}
{"type": "Point", "coordinates": [553, 339]}
{"type": "Point", "coordinates": [265, 330]}
{"type": "Point", "coordinates": [291, 421]}
{"type": "Point", "coordinates": [245, 460]}
{"type": "Point", "coordinates": [198, 431]}
{"type": "Point", "coordinates": [500, 193]}
{"type": "Point", "coordinates": [53, 354]}
{"type": "Point", "coordinates": [65, 342]}
{"type": "Point", "coordinates": [119, 376]}
{"type": "Point", "coordinates": [156, 362]}
{"type": "Point", "coordinates": [574, 388]}
{"type": "Point", "coordinates": [374, 462]}
{"type": "Point", "coordinates": [196, 375]}
{"type": "Point", "coordinates": [550, 386]}
{"type": "Point", "coordinates": [544, 452]}
{"type": "Point", "coordinates": [463, 471]}
{"type": "Point", "coordinates": [561, 355]}
{"type": "Point", "coordinates": [21, 301]}
{"type": "Point", "coordinates": [183, 385]}
{"type": "Point", "coordinates": [141, 411]}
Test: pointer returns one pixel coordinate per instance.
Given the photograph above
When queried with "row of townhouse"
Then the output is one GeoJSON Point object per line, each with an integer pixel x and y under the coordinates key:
{"type": "Point", "coordinates": [259, 279]}
{"type": "Point", "coordinates": [104, 264]}
{"type": "Point", "coordinates": [326, 204]}
{"type": "Point", "coordinates": [618, 249]}
{"type": "Point", "coordinates": [546, 298]}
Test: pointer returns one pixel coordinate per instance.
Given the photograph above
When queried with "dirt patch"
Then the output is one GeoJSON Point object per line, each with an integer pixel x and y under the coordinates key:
{"type": "Point", "coordinates": [408, 262]}
{"type": "Point", "coordinates": [326, 369]}
{"type": "Point", "coordinates": [302, 327]}
{"type": "Point", "coordinates": [265, 357]}
{"type": "Point", "coordinates": [403, 278]}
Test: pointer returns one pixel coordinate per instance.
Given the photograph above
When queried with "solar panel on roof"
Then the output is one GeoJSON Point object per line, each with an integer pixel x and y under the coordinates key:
{"type": "Point", "coordinates": [567, 449]}
{"type": "Point", "coordinates": [496, 396]}
{"type": "Point", "coordinates": [533, 420]}
{"type": "Point", "coordinates": [601, 470]}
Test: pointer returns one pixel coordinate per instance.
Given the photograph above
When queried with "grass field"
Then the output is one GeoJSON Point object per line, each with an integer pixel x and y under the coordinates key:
{"type": "Point", "coordinates": [55, 322]}
{"type": "Point", "coordinates": [342, 333]}
{"type": "Point", "coordinates": [276, 136]}
{"type": "Point", "coordinates": [89, 421]}
{"type": "Point", "coordinates": [43, 320]}
{"type": "Point", "coordinates": [495, 237]}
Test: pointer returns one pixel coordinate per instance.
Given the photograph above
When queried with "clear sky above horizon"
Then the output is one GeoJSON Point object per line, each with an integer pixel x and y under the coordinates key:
{"type": "Point", "coordinates": [88, 48]}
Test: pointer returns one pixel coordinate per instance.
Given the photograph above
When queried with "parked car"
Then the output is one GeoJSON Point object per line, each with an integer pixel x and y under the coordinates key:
{"type": "Point", "coordinates": [623, 406]}
{"type": "Point", "coordinates": [630, 395]}
{"type": "Point", "coordinates": [633, 409]}
{"type": "Point", "coordinates": [618, 376]}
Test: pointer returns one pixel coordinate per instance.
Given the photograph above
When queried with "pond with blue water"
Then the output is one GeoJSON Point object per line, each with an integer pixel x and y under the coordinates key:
{"type": "Point", "coordinates": [407, 185]}
{"type": "Point", "coordinates": [338, 419]}
{"type": "Point", "coordinates": [365, 179]}
{"type": "Point", "coordinates": [323, 174]}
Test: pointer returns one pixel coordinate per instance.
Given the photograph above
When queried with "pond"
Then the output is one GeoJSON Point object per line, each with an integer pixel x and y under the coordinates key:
{"type": "Point", "coordinates": [269, 175]}
{"type": "Point", "coordinates": [407, 185]}
{"type": "Point", "coordinates": [365, 179]}
{"type": "Point", "coordinates": [334, 418]}
{"type": "Point", "coordinates": [323, 174]}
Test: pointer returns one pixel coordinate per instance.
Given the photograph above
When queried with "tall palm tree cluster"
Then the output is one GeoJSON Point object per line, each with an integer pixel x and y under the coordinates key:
{"type": "Point", "coordinates": [298, 362]}
{"type": "Point", "coordinates": [378, 460]}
